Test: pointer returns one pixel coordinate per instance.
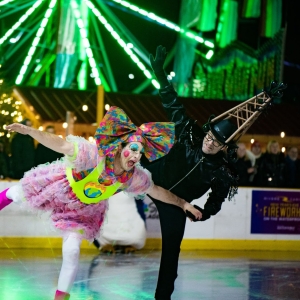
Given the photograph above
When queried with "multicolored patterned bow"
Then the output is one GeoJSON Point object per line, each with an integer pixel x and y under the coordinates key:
{"type": "Point", "coordinates": [117, 128]}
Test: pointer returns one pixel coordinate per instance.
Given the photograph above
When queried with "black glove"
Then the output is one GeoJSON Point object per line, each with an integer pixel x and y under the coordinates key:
{"type": "Point", "coordinates": [191, 216]}
{"type": "Point", "coordinates": [157, 64]}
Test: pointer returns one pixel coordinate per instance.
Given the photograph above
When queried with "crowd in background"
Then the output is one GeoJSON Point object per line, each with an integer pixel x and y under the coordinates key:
{"type": "Point", "coordinates": [271, 168]}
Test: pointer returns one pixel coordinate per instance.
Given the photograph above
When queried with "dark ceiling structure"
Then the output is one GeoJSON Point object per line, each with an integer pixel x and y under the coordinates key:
{"type": "Point", "coordinates": [51, 105]}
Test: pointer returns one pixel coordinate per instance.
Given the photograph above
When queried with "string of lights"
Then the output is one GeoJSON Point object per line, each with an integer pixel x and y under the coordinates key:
{"type": "Point", "coordinates": [86, 44]}
{"type": "Point", "coordinates": [20, 21]}
{"type": "Point", "coordinates": [10, 108]}
{"type": "Point", "coordinates": [35, 42]}
{"type": "Point", "coordinates": [162, 21]}
{"type": "Point", "coordinates": [126, 46]}
{"type": "Point", "coordinates": [5, 2]}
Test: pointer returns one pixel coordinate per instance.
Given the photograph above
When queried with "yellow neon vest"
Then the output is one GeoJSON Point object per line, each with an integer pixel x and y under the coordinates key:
{"type": "Point", "coordinates": [89, 190]}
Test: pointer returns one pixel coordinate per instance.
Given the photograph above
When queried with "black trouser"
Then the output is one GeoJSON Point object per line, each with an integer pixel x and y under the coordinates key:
{"type": "Point", "coordinates": [172, 222]}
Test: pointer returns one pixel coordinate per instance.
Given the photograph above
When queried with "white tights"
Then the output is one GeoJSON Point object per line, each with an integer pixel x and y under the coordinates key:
{"type": "Point", "coordinates": [70, 252]}
{"type": "Point", "coordinates": [70, 247]}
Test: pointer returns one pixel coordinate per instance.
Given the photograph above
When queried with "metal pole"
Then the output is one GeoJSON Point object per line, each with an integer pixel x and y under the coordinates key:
{"type": "Point", "coordinates": [70, 119]}
{"type": "Point", "coordinates": [100, 103]}
{"type": "Point", "coordinates": [105, 59]}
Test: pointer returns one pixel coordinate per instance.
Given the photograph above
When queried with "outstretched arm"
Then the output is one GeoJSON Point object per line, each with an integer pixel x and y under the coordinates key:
{"type": "Point", "coordinates": [224, 185]}
{"type": "Point", "coordinates": [185, 127]}
{"type": "Point", "coordinates": [49, 140]}
{"type": "Point", "coordinates": [166, 196]}
{"type": "Point", "coordinates": [174, 109]}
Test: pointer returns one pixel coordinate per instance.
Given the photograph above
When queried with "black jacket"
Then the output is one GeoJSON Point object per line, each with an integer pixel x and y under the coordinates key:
{"type": "Point", "coordinates": [292, 172]}
{"type": "Point", "coordinates": [213, 171]}
{"type": "Point", "coordinates": [242, 166]}
{"type": "Point", "coordinates": [271, 170]}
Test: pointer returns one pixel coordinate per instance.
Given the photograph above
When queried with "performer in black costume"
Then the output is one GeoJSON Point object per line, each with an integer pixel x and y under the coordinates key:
{"type": "Point", "coordinates": [201, 159]}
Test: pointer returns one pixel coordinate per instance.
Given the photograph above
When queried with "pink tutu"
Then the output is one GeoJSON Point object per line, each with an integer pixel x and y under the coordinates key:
{"type": "Point", "coordinates": [47, 188]}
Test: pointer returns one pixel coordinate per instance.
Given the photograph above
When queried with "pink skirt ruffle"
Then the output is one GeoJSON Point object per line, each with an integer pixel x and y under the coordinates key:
{"type": "Point", "coordinates": [47, 188]}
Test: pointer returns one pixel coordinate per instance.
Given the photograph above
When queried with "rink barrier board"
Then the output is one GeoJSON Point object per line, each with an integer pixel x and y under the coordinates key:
{"type": "Point", "coordinates": [155, 244]}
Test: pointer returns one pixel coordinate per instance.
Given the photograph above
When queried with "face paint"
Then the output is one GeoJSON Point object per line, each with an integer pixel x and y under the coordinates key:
{"type": "Point", "coordinates": [131, 154]}
{"type": "Point", "coordinates": [134, 147]}
{"type": "Point", "coordinates": [126, 153]}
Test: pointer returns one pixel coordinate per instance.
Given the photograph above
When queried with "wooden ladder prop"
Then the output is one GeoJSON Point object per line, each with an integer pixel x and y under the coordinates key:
{"type": "Point", "coordinates": [247, 112]}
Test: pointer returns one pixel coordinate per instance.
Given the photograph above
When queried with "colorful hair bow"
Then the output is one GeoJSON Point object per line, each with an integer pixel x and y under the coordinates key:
{"type": "Point", "coordinates": [117, 128]}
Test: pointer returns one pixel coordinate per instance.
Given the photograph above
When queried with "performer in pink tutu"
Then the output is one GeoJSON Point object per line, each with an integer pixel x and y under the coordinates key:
{"type": "Point", "coordinates": [73, 188]}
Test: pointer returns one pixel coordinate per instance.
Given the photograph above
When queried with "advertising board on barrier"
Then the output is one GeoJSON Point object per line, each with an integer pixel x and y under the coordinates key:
{"type": "Point", "coordinates": [275, 212]}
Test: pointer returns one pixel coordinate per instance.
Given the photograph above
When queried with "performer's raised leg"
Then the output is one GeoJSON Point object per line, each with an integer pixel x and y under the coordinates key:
{"type": "Point", "coordinates": [172, 221]}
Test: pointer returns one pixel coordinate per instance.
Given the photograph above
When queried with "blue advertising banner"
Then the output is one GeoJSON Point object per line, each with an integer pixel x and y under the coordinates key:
{"type": "Point", "coordinates": [275, 212]}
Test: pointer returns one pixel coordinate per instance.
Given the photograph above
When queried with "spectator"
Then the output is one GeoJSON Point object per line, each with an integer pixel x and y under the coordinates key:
{"type": "Point", "coordinates": [256, 151]}
{"type": "Point", "coordinates": [244, 166]}
{"type": "Point", "coordinates": [251, 157]}
{"type": "Point", "coordinates": [4, 162]}
{"type": "Point", "coordinates": [44, 154]}
{"type": "Point", "coordinates": [271, 170]}
{"type": "Point", "coordinates": [292, 168]}
{"type": "Point", "coordinates": [23, 152]}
